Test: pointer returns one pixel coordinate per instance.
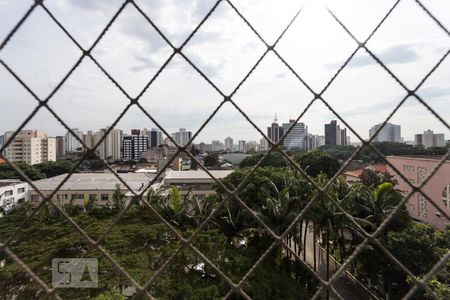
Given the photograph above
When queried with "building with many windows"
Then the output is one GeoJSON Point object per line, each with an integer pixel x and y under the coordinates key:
{"type": "Point", "coordinates": [241, 146]}
{"type": "Point", "coordinates": [429, 139]}
{"type": "Point", "coordinates": [229, 144]}
{"type": "Point", "coordinates": [275, 132]}
{"type": "Point", "coordinates": [83, 187]}
{"type": "Point", "coordinates": [72, 143]}
{"type": "Point", "coordinates": [31, 146]}
{"type": "Point", "coordinates": [134, 147]}
{"type": "Point", "coordinates": [334, 135]}
{"type": "Point", "coordinates": [389, 133]}
{"type": "Point", "coordinates": [295, 139]}
{"type": "Point", "coordinates": [182, 137]}
{"type": "Point", "coordinates": [155, 138]}
{"type": "Point", "coordinates": [12, 193]}
{"type": "Point", "coordinates": [110, 147]}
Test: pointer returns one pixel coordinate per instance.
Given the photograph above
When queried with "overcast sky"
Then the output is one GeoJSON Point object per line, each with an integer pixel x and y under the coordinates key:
{"type": "Point", "coordinates": [225, 49]}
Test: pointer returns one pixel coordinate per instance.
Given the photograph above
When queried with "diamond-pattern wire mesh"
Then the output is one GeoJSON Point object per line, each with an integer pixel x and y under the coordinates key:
{"type": "Point", "coordinates": [232, 194]}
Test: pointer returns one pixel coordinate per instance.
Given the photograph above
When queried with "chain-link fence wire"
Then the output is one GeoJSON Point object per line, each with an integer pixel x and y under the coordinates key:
{"type": "Point", "coordinates": [231, 194]}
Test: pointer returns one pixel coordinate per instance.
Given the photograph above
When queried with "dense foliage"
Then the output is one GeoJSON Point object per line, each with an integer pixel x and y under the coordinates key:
{"type": "Point", "coordinates": [386, 148]}
{"type": "Point", "coordinates": [38, 171]}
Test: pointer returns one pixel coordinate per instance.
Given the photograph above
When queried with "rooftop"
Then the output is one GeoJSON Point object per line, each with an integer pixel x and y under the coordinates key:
{"type": "Point", "coordinates": [94, 181]}
{"type": "Point", "coordinates": [197, 174]}
{"type": "Point", "coordinates": [6, 182]}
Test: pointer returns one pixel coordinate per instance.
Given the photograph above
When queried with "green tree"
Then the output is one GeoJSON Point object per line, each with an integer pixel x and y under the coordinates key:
{"type": "Point", "coordinates": [59, 167]}
{"type": "Point", "coordinates": [274, 159]}
{"type": "Point", "coordinates": [373, 178]}
{"type": "Point", "coordinates": [118, 198]}
{"type": "Point", "coordinates": [316, 162]}
{"type": "Point", "coordinates": [211, 160]}
{"type": "Point", "coordinates": [8, 172]}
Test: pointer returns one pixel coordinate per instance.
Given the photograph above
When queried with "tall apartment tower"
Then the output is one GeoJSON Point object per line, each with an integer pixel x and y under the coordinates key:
{"type": "Point", "coordinates": [182, 136]}
{"type": "Point", "coordinates": [295, 139]}
{"type": "Point", "coordinates": [110, 147]}
{"type": "Point", "coordinates": [430, 139]}
{"type": "Point", "coordinates": [155, 138]}
{"type": "Point", "coordinates": [241, 146]}
{"type": "Point", "coordinates": [229, 144]}
{"type": "Point", "coordinates": [31, 146]}
{"type": "Point", "coordinates": [71, 142]}
{"type": "Point", "coordinates": [334, 135]}
{"type": "Point", "coordinates": [60, 147]}
{"type": "Point", "coordinates": [275, 132]}
{"type": "Point", "coordinates": [389, 133]}
{"type": "Point", "coordinates": [134, 146]}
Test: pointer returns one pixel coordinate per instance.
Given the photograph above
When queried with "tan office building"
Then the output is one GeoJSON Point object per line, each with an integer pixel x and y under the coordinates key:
{"type": "Point", "coordinates": [32, 147]}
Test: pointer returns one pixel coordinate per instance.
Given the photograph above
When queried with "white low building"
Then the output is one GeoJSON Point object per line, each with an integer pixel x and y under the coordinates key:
{"type": "Point", "coordinates": [82, 187]}
{"type": "Point", "coordinates": [12, 193]}
{"type": "Point", "coordinates": [197, 182]}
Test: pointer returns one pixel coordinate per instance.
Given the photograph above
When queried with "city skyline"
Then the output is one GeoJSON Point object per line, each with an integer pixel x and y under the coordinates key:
{"type": "Point", "coordinates": [363, 94]}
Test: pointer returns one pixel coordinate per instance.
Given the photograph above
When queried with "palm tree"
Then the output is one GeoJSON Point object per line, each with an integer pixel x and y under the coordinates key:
{"type": "Point", "coordinates": [329, 221]}
{"type": "Point", "coordinates": [372, 205]}
{"type": "Point", "coordinates": [278, 211]}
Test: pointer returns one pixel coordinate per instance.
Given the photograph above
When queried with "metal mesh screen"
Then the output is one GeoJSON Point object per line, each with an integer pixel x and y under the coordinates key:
{"type": "Point", "coordinates": [187, 243]}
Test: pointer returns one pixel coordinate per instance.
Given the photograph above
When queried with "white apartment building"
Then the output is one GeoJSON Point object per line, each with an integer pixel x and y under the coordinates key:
{"type": "Point", "coordinates": [430, 139]}
{"type": "Point", "coordinates": [31, 146]}
{"type": "Point", "coordinates": [389, 133]}
{"type": "Point", "coordinates": [71, 142]}
{"type": "Point", "coordinates": [12, 193]}
{"type": "Point", "coordinates": [229, 144]}
{"type": "Point", "coordinates": [182, 137]}
{"type": "Point", "coordinates": [110, 147]}
{"type": "Point", "coordinates": [241, 146]}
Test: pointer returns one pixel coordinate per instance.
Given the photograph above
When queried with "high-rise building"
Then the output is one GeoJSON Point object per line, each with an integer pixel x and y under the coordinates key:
{"type": "Point", "coordinates": [202, 147]}
{"type": "Point", "coordinates": [31, 146]}
{"type": "Point", "coordinates": [241, 146]}
{"type": "Point", "coordinates": [229, 144]}
{"type": "Point", "coordinates": [217, 146]}
{"type": "Point", "coordinates": [155, 138]}
{"type": "Point", "coordinates": [313, 142]}
{"type": "Point", "coordinates": [275, 132]}
{"type": "Point", "coordinates": [88, 139]}
{"type": "Point", "coordinates": [135, 132]}
{"type": "Point", "coordinates": [430, 139]}
{"type": "Point", "coordinates": [343, 139]}
{"type": "Point", "coordinates": [134, 146]}
{"type": "Point", "coordinates": [251, 146]}
{"type": "Point", "coordinates": [60, 147]}
{"type": "Point", "coordinates": [334, 135]}
{"type": "Point", "coordinates": [182, 136]}
{"type": "Point", "coordinates": [263, 144]}
{"type": "Point", "coordinates": [389, 133]}
{"type": "Point", "coordinates": [71, 142]}
{"type": "Point", "coordinates": [110, 147]}
{"type": "Point", "coordinates": [295, 139]}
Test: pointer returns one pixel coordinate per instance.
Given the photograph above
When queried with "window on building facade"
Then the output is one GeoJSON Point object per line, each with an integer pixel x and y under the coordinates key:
{"type": "Point", "coordinates": [446, 196]}
{"type": "Point", "coordinates": [421, 174]}
{"type": "Point", "coordinates": [21, 190]}
{"type": "Point", "coordinates": [422, 206]}
{"type": "Point", "coordinates": [34, 198]}
{"type": "Point", "coordinates": [105, 197]}
{"type": "Point", "coordinates": [9, 193]}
